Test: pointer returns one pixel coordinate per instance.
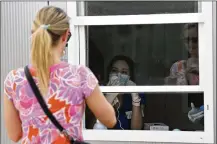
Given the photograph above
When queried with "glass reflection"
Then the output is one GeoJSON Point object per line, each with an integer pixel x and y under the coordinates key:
{"type": "Point", "coordinates": [146, 55]}
{"type": "Point", "coordinates": [186, 72]}
{"type": "Point", "coordinates": [169, 110]}
{"type": "Point", "coordinates": [127, 106]}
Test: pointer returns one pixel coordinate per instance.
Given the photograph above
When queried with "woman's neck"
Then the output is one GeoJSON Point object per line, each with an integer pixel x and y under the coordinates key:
{"type": "Point", "coordinates": [194, 56]}
{"type": "Point", "coordinates": [56, 61]}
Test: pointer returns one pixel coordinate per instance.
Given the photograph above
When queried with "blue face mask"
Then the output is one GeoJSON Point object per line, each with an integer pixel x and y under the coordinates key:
{"type": "Point", "coordinates": [123, 78]}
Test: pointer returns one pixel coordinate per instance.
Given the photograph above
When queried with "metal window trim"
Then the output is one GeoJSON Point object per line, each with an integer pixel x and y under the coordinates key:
{"type": "Point", "coordinates": [205, 40]}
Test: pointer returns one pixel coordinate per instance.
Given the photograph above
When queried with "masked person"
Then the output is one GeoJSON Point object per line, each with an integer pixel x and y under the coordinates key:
{"type": "Point", "coordinates": [186, 72]}
{"type": "Point", "coordinates": [128, 106]}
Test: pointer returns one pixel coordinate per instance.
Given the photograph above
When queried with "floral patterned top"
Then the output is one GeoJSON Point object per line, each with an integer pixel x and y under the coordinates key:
{"type": "Point", "coordinates": [180, 69]}
{"type": "Point", "coordinates": [69, 86]}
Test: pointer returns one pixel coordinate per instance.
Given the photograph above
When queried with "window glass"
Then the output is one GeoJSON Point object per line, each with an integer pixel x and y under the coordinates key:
{"type": "Point", "coordinates": [94, 8]}
{"type": "Point", "coordinates": [164, 54]}
{"type": "Point", "coordinates": [169, 110]}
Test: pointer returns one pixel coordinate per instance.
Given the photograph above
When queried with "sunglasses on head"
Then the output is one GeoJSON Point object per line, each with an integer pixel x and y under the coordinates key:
{"type": "Point", "coordinates": [192, 39]}
{"type": "Point", "coordinates": [69, 36]}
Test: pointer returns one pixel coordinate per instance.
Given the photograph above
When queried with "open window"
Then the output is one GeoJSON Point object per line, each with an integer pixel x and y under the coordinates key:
{"type": "Point", "coordinates": [153, 43]}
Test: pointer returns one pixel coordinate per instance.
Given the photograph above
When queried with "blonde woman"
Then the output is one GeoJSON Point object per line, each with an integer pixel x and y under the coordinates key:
{"type": "Point", "coordinates": [186, 72]}
{"type": "Point", "coordinates": [65, 88]}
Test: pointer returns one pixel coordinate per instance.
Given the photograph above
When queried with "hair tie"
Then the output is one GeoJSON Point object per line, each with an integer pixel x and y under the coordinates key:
{"type": "Point", "coordinates": [45, 26]}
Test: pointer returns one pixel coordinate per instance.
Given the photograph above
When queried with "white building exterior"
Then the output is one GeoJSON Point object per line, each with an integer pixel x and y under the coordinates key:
{"type": "Point", "coordinates": [16, 20]}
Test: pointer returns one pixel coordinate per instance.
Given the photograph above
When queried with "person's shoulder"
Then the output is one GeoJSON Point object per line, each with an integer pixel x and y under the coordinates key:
{"type": "Point", "coordinates": [179, 62]}
{"type": "Point", "coordinates": [69, 67]}
{"type": "Point", "coordinates": [77, 67]}
{"type": "Point", "coordinates": [15, 73]}
{"type": "Point", "coordinates": [142, 95]}
{"type": "Point", "coordinates": [178, 66]}
{"type": "Point", "coordinates": [81, 68]}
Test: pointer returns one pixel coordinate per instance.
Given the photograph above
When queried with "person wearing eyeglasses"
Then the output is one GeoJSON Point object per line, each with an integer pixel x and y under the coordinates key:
{"type": "Point", "coordinates": [186, 72]}
{"type": "Point", "coordinates": [66, 88]}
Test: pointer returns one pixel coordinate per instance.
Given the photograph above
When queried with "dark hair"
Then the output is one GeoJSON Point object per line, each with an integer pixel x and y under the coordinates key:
{"type": "Point", "coordinates": [129, 62]}
{"type": "Point", "coordinates": [96, 60]}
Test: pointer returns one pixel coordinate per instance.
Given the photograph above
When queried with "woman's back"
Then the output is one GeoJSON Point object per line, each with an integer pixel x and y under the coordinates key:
{"type": "Point", "coordinates": [68, 88]}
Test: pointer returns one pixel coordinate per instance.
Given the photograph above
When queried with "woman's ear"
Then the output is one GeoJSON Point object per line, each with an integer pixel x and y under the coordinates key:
{"type": "Point", "coordinates": [65, 36]}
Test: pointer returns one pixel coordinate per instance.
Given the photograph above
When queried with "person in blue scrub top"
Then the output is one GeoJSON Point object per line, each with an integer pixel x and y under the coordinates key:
{"type": "Point", "coordinates": [128, 106]}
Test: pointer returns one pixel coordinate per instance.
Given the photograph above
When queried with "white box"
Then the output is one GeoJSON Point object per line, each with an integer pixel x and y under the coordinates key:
{"type": "Point", "coordinates": [156, 127]}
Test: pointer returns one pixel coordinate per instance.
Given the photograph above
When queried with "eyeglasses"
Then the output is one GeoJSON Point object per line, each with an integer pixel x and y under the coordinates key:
{"type": "Point", "coordinates": [69, 36]}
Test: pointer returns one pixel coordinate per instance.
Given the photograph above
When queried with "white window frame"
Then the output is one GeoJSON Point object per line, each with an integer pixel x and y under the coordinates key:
{"type": "Point", "coordinates": [77, 55]}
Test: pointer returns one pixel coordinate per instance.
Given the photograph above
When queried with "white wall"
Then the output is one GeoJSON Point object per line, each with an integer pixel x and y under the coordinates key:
{"type": "Point", "coordinates": [15, 32]}
{"type": "Point", "coordinates": [215, 63]}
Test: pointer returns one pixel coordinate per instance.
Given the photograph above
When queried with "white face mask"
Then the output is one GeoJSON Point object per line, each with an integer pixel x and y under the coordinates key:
{"type": "Point", "coordinates": [123, 78]}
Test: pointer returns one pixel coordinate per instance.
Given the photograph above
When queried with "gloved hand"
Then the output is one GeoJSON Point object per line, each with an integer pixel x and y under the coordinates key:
{"type": "Point", "coordinates": [112, 97]}
{"type": "Point", "coordinates": [195, 114]}
{"type": "Point", "coordinates": [114, 80]}
{"type": "Point", "coordinates": [135, 96]}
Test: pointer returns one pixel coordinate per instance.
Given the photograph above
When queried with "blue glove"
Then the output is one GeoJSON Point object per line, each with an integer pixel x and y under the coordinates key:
{"type": "Point", "coordinates": [195, 114]}
{"type": "Point", "coordinates": [202, 108]}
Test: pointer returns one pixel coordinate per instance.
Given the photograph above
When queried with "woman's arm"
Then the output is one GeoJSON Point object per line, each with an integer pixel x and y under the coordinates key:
{"type": "Point", "coordinates": [136, 120]}
{"type": "Point", "coordinates": [101, 108]}
{"type": "Point", "coordinates": [12, 120]}
{"type": "Point", "coordinates": [110, 97]}
{"type": "Point", "coordinates": [95, 99]}
{"type": "Point", "coordinates": [11, 115]}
